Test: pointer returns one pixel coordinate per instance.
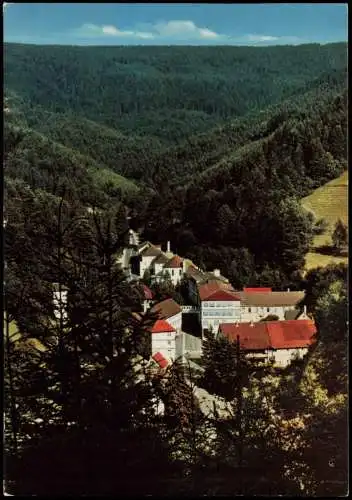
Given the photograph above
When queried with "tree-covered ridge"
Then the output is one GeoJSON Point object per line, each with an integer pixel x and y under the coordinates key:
{"type": "Point", "coordinates": [230, 215]}
{"type": "Point", "coordinates": [136, 89]}
{"type": "Point", "coordinates": [48, 165]}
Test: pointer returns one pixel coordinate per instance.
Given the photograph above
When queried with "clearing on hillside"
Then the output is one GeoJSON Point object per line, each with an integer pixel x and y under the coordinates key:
{"type": "Point", "coordinates": [328, 202]}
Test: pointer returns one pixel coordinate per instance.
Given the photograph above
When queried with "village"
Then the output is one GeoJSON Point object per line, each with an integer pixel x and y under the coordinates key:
{"type": "Point", "coordinates": [270, 325]}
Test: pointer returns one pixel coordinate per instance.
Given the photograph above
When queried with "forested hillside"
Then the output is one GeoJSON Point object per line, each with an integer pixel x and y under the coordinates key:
{"type": "Point", "coordinates": [211, 148]}
{"type": "Point", "coordinates": [242, 214]}
{"type": "Point", "coordinates": [273, 127]}
{"type": "Point", "coordinates": [168, 92]}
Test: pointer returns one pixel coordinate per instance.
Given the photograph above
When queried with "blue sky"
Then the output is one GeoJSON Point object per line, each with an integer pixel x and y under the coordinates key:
{"type": "Point", "coordinates": [174, 24]}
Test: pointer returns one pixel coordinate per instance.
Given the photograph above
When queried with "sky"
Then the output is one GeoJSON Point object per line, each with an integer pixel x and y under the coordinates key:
{"type": "Point", "coordinates": [174, 23]}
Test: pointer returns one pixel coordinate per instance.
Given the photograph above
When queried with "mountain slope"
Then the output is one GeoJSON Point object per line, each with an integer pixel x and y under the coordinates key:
{"type": "Point", "coordinates": [147, 90]}
{"type": "Point", "coordinates": [45, 164]}
{"type": "Point", "coordinates": [330, 203]}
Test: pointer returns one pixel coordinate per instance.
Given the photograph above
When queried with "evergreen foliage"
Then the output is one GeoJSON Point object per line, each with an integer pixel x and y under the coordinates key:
{"type": "Point", "coordinates": [211, 148]}
{"type": "Point", "coordinates": [339, 236]}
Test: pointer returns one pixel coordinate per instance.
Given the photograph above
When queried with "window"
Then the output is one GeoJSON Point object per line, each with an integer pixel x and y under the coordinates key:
{"type": "Point", "coordinates": [249, 309]}
{"type": "Point", "coordinates": [172, 272]}
{"type": "Point", "coordinates": [205, 304]}
{"type": "Point", "coordinates": [169, 342]}
{"type": "Point", "coordinates": [268, 309]}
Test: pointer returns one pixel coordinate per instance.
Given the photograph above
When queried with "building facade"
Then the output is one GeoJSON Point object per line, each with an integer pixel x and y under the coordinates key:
{"type": "Point", "coordinates": [164, 340]}
{"type": "Point", "coordinates": [277, 341]}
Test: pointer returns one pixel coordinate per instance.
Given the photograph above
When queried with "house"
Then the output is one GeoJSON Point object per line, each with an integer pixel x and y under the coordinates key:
{"type": "Point", "coordinates": [219, 304]}
{"type": "Point", "coordinates": [163, 341]}
{"type": "Point", "coordinates": [158, 264]}
{"type": "Point", "coordinates": [258, 303]}
{"type": "Point", "coordinates": [170, 311]}
{"type": "Point", "coordinates": [175, 268]}
{"type": "Point", "coordinates": [277, 341]}
{"type": "Point", "coordinates": [147, 255]}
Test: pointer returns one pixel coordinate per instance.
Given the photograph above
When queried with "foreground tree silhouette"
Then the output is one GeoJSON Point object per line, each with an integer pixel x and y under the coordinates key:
{"type": "Point", "coordinates": [87, 396]}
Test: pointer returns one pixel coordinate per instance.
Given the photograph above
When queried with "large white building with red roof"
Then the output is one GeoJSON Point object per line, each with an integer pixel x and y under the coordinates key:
{"type": "Point", "coordinates": [277, 341]}
{"type": "Point", "coordinates": [218, 306]}
{"type": "Point", "coordinates": [219, 303]}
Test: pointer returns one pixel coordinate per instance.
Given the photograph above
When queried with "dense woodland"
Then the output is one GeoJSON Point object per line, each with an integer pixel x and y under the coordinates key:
{"type": "Point", "coordinates": [211, 148]}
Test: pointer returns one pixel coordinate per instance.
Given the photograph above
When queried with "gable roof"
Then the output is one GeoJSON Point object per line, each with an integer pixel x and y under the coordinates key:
{"type": "Point", "coordinates": [174, 262]}
{"type": "Point", "coordinates": [196, 274]}
{"type": "Point", "coordinates": [151, 251]}
{"type": "Point", "coordinates": [208, 288]}
{"type": "Point", "coordinates": [223, 295]}
{"type": "Point", "coordinates": [271, 299]}
{"type": "Point", "coordinates": [291, 334]}
{"type": "Point", "coordinates": [159, 358]}
{"type": "Point", "coordinates": [162, 326]}
{"type": "Point", "coordinates": [166, 309]}
{"type": "Point", "coordinates": [160, 259]}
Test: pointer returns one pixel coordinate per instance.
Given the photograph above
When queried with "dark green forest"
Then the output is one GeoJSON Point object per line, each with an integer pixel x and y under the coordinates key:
{"type": "Point", "coordinates": [211, 148]}
{"type": "Point", "coordinates": [222, 191]}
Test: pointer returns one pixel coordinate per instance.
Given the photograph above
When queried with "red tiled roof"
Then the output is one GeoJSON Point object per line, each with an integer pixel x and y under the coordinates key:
{"type": "Point", "coordinates": [290, 334]}
{"type": "Point", "coordinates": [148, 294]}
{"type": "Point", "coordinates": [251, 337]}
{"type": "Point", "coordinates": [161, 326]}
{"type": "Point", "coordinates": [223, 295]}
{"type": "Point", "coordinates": [253, 290]}
{"type": "Point", "coordinates": [159, 358]}
{"type": "Point", "coordinates": [175, 261]}
{"type": "Point", "coordinates": [207, 289]}
{"type": "Point", "coordinates": [166, 309]}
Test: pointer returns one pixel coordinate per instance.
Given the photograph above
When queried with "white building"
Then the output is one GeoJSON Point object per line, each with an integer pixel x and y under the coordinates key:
{"type": "Point", "coordinates": [218, 304]}
{"type": "Point", "coordinates": [164, 339]}
{"type": "Point", "coordinates": [175, 268]}
{"type": "Point", "coordinates": [277, 341]}
{"type": "Point", "coordinates": [258, 303]}
{"type": "Point", "coordinates": [147, 256]}
{"type": "Point", "coordinates": [170, 311]}
{"type": "Point", "coordinates": [220, 307]}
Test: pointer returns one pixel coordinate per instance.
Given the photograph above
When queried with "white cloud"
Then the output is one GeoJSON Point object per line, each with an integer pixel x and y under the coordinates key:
{"type": "Point", "coordinates": [261, 38]}
{"type": "Point", "coordinates": [93, 30]}
{"type": "Point", "coordinates": [179, 31]}
{"type": "Point", "coordinates": [183, 29]}
{"type": "Point", "coordinates": [267, 39]}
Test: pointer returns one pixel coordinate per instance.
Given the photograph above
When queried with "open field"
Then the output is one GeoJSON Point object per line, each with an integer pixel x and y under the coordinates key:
{"type": "Point", "coordinates": [331, 203]}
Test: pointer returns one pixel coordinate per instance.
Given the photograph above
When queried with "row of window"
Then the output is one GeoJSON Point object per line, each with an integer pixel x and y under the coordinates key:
{"type": "Point", "coordinates": [224, 314]}
{"type": "Point", "coordinates": [218, 304]}
{"type": "Point", "coordinates": [262, 308]}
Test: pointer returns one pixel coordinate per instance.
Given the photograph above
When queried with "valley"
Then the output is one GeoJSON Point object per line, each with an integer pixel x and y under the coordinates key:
{"type": "Point", "coordinates": [174, 298]}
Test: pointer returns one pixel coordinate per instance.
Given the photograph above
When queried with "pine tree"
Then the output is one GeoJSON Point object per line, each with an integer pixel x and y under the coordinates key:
{"type": "Point", "coordinates": [88, 388]}
{"type": "Point", "coordinates": [339, 236]}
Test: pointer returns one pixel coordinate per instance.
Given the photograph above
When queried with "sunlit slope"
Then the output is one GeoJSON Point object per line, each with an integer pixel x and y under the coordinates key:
{"type": "Point", "coordinates": [331, 203]}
